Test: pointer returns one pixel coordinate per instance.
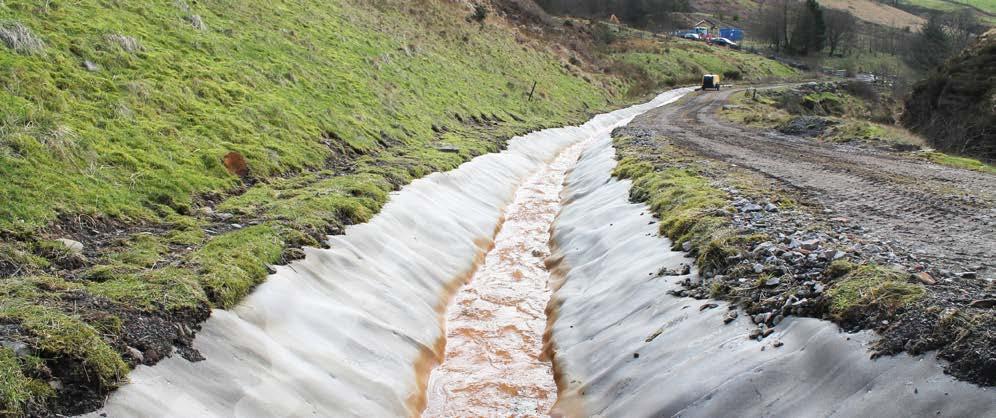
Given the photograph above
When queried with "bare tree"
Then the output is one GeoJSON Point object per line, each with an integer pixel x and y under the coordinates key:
{"type": "Point", "coordinates": [773, 23]}
{"type": "Point", "coordinates": [964, 23]}
{"type": "Point", "coordinates": [840, 25]}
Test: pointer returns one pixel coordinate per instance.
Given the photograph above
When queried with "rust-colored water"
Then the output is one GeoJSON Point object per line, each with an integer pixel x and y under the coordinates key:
{"type": "Point", "coordinates": [494, 363]}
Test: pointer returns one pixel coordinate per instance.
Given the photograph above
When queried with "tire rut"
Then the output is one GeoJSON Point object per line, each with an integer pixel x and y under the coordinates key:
{"type": "Point", "coordinates": [941, 213]}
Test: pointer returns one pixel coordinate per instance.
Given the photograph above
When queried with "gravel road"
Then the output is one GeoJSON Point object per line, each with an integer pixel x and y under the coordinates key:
{"type": "Point", "coordinates": [941, 214]}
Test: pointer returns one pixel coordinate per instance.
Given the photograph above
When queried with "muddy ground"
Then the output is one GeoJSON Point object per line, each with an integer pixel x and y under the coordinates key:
{"type": "Point", "coordinates": [871, 205]}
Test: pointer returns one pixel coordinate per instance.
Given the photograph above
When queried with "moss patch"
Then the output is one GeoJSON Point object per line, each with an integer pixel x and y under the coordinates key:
{"type": "Point", "coordinates": [958, 162]}
{"type": "Point", "coordinates": [872, 287]}
{"type": "Point", "coordinates": [63, 336]}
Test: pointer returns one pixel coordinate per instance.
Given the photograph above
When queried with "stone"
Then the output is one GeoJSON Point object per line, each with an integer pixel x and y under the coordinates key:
{"type": "Point", "coordinates": [686, 269]}
{"type": "Point", "coordinates": [818, 288]}
{"type": "Point", "coordinates": [967, 275]}
{"type": "Point", "coordinates": [225, 216]}
{"type": "Point", "coordinates": [90, 66]}
{"type": "Point", "coordinates": [293, 254]}
{"type": "Point", "coordinates": [926, 278]}
{"type": "Point", "coordinates": [755, 334]}
{"type": "Point", "coordinates": [75, 247]}
{"type": "Point", "coordinates": [810, 245]}
{"type": "Point", "coordinates": [770, 207]}
{"type": "Point", "coordinates": [708, 306]}
{"type": "Point", "coordinates": [448, 149]}
{"type": "Point", "coordinates": [774, 281]}
{"type": "Point", "coordinates": [686, 246]}
{"type": "Point", "coordinates": [20, 349]}
{"type": "Point", "coordinates": [751, 208]}
{"type": "Point", "coordinates": [758, 267]}
{"type": "Point", "coordinates": [730, 317]}
{"type": "Point", "coordinates": [778, 343]}
{"type": "Point", "coordinates": [983, 303]}
{"type": "Point", "coordinates": [136, 354]}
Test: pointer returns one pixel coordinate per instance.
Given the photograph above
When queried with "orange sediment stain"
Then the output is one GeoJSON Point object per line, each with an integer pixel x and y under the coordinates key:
{"type": "Point", "coordinates": [429, 358]}
{"type": "Point", "coordinates": [494, 362]}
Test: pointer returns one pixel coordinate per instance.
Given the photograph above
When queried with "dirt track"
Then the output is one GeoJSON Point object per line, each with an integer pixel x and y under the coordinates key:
{"type": "Point", "coordinates": [940, 214]}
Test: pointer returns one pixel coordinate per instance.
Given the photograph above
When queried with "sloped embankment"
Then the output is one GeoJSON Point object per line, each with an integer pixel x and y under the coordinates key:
{"type": "Point", "coordinates": [955, 106]}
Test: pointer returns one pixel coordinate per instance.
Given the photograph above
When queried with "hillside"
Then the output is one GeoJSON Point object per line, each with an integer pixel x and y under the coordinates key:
{"type": "Point", "coordinates": [877, 13]}
{"type": "Point", "coordinates": [157, 158]}
{"type": "Point", "coordinates": [955, 106]}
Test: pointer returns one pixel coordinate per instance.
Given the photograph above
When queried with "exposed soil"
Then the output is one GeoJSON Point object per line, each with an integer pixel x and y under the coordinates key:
{"type": "Point", "coordinates": [865, 205]}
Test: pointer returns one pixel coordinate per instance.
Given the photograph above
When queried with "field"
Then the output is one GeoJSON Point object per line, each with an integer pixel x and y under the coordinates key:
{"type": "Point", "coordinates": [877, 13]}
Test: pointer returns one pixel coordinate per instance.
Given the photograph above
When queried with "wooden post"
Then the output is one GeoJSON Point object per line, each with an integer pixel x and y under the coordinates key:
{"type": "Point", "coordinates": [531, 91]}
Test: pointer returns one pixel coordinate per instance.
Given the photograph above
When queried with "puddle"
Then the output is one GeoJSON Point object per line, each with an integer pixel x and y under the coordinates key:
{"type": "Point", "coordinates": [495, 324]}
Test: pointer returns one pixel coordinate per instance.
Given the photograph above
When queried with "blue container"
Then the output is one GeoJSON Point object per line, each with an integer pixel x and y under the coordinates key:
{"type": "Point", "coordinates": [733, 34]}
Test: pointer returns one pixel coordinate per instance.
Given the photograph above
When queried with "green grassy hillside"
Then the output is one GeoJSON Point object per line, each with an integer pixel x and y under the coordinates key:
{"type": "Point", "coordinates": [119, 117]}
{"type": "Point", "coordinates": [988, 6]}
{"type": "Point", "coordinates": [681, 61]}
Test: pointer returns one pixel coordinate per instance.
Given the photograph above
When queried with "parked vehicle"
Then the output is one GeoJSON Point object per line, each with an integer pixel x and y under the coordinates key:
{"type": "Point", "coordinates": [724, 42]}
{"type": "Point", "coordinates": [691, 35]}
{"type": "Point", "coordinates": [710, 81]}
{"type": "Point", "coordinates": [733, 34]}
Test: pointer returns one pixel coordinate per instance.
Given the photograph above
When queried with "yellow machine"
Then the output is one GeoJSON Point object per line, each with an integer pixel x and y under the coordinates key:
{"type": "Point", "coordinates": [710, 81]}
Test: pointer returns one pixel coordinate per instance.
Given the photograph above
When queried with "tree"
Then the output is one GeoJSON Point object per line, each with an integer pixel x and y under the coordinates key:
{"type": "Point", "coordinates": [774, 23]}
{"type": "Point", "coordinates": [931, 46]}
{"type": "Point", "coordinates": [963, 23]}
{"type": "Point", "coordinates": [809, 35]}
{"type": "Point", "coordinates": [840, 25]}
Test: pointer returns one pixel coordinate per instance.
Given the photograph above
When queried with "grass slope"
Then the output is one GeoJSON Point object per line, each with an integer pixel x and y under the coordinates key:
{"type": "Point", "coordinates": [270, 80]}
{"type": "Point", "coordinates": [118, 116]}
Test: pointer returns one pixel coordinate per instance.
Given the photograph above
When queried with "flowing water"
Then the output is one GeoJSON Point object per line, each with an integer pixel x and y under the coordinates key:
{"type": "Point", "coordinates": [494, 340]}
{"type": "Point", "coordinates": [352, 330]}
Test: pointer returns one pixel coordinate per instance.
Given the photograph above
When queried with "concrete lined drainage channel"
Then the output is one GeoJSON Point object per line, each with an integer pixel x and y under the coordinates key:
{"type": "Point", "coordinates": [354, 330]}
{"type": "Point", "coordinates": [357, 329]}
{"type": "Point", "coordinates": [494, 342]}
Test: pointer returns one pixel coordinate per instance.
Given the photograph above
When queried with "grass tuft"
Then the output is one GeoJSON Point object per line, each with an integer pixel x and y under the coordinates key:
{"type": "Point", "coordinates": [231, 265]}
{"type": "Point", "coordinates": [125, 42]}
{"type": "Point", "coordinates": [872, 287]}
{"type": "Point", "coordinates": [20, 39]}
{"type": "Point", "coordinates": [959, 162]}
{"type": "Point", "coordinates": [63, 336]}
